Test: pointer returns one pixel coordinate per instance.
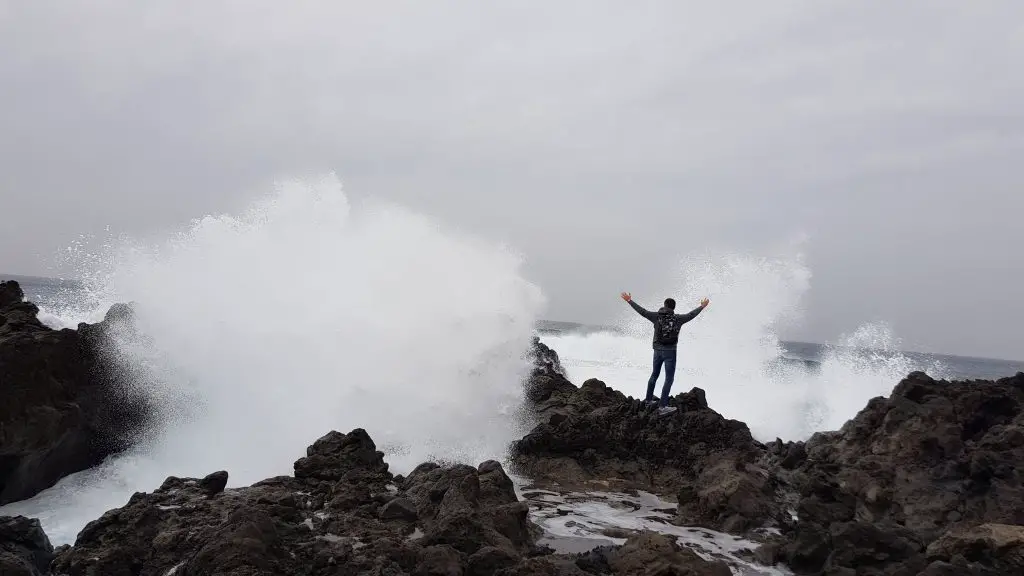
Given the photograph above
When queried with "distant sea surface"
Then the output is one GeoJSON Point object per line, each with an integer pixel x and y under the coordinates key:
{"type": "Point", "coordinates": [53, 294]}
{"type": "Point", "coordinates": [811, 354]}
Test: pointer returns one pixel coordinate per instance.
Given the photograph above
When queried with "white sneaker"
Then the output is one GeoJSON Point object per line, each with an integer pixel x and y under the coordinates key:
{"type": "Point", "coordinates": [666, 410]}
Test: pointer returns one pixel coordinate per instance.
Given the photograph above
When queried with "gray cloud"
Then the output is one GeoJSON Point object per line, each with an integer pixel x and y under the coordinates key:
{"type": "Point", "coordinates": [578, 132]}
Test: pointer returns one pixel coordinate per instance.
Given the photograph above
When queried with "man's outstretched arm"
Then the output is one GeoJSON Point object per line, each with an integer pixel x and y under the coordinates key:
{"type": "Point", "coordinates": [693, 313]}
{"type": "Point", "coordinates": [652, 316]}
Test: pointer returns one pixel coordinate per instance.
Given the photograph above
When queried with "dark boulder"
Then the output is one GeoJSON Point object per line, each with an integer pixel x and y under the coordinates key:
{"type": "Point", "coordinates": [399, 509]}
{"type": "Point", "coordinates": [874, 549]}
{"type": "Point", "coordinates": [808, 549]}
{"type": "Point", "coordinates": [440, 520]}
{"type": "Point", "coordinates": [24, 548]}
{"type": "Point", "coordinates": [650, 553]}
{"type": "Point", "coordinates": [933, 454]}
{"type": "Point", "coordinates": [337, 456]}
{"type": "Point", "coordinates": [545, 360]}
{"type": "Point", "coordinates": [67, 403]}
{"type": "Point", "coordinates": [932, 460]}
{"type": "Point", "coordinates": [10, 294]}
{"type": "Point", "coordinates": [214, 483]}
{"type": "Point", "coordinates": [995, 547]}
{"type": "Point", "coordinates": [490, 560]}
{"type": "Point", "coordinates": [469, 508]}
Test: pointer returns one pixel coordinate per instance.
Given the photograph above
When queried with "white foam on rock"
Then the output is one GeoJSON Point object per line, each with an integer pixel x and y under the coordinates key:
{"type": "Point", "coordinates": [333, 538]}
{"type": "Point", "coordinates": [576, 522]}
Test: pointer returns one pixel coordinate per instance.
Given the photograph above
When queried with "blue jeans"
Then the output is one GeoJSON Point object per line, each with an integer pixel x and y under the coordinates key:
{"type": "Point", "coordinates": [668, 358]}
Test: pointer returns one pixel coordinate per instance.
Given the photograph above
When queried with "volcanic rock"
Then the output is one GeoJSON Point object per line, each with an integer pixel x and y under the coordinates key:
{"type": "Point", "coordinates": [66, 405]}
{"type": "Point", "coordinates": [999, 547]}
{"type": "Point", "coordinates": [399, 509]}
{"type": "Point", "coordinates": [594, 435]}
{"type": "Point", "coordinates": [456, 520]}
{"type": "Point", "coordinates": [24, 548]}
{"type": "Point", "coordinates": [935, 456]}
{"type": "Point", "coordinates": [929, 480]}
{"type": "Point", "coordinates": [337, 456]}
{"type": "Point", "coordinates": [214, 483]}
{"type": "Point", "coordinates": [652, 554]}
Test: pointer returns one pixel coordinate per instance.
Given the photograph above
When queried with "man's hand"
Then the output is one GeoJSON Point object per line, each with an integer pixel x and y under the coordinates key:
{"type": "Point", "coordinates": [704, 303]}
{"type": "Point", "coordinates": [626, 296]}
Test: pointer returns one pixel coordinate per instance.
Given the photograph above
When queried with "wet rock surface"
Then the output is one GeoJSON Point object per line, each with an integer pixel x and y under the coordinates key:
{"type": "Point", "coordinates": [24, 548]}
{"type": "Point", "coordinates": [934, 460]}
{"type": "Point", "coordinates": [578, 522]}
{"type": "Point", "coordinates": [928, 480]}
{"type": "Point", "coordinates": [981, 549]}
{"type": "Point", "coordinates": [341, 513]}
{"type": "Point", "coordinates": [65, 407]}
{"type": "Point", "coordinates": [594, 437]}
{"type": "Point", "coordinates": [652, 553]}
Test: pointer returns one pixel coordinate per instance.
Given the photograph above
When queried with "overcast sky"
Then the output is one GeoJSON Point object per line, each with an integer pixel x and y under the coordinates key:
{"type": "Point", "coordinates": [602, 139]}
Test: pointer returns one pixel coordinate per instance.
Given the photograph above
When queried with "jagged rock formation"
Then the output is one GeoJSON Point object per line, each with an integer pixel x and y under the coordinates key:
{"type": "Point", "coordinates": [929, 462]}
{"type": "Point", "coordinates": [65, 405]}
{"type": "Point", "coordinates": [593, 433]}
{"type": "Point", "coordinates": [928, 480]}
{"type": "Point", "coordinates": [344, 513]}
{"type": "Point", "coordinates": [24, 548]}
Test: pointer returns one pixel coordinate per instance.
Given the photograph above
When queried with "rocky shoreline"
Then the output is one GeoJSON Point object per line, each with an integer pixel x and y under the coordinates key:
{"type": "Point", "coordinates": [65, 408]}
{"type": "Point", "coordinates": [928, 481]}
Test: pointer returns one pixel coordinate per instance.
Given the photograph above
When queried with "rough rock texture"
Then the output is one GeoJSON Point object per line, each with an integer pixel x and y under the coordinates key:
{"type": "Point", "coordinates": [996, 546]}
{"type": "Point", "coordinates": [901, 489]}
{"type": "Point", "coordinates": [64, 408]}
{"type": "Point", "coordinates": [886, 489]}
{"type": "Point", "coordinates": [343, 513]}
{"type": "Point", "coordinates": [595, 436]}
{"type": "Point", "coordinates": [652, 554]}
{"type": "Point", "coordinates": [927, 482]}
{"type": "Point", "coordinates": [545, 360]}
{"type": "Point", "coordinates": [24, 548]}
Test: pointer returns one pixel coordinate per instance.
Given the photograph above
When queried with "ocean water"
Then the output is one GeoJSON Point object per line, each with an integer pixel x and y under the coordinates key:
{"type": "Point", "coordinates": [268, 328]}
{"type": "Point", "coordinates": [58, 296]}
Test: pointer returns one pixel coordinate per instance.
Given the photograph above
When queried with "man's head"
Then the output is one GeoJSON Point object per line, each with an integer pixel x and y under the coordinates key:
{"type": "Point", "coordinates": [670, 303]}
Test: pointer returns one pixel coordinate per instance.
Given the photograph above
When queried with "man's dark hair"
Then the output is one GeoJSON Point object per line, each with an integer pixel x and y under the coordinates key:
{"type": "Point", "coordinates": [670, 304]}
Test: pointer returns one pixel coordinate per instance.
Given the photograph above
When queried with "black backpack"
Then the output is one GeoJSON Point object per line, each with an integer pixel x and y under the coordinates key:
{"type": "Point", "coordinates": [666, 330]}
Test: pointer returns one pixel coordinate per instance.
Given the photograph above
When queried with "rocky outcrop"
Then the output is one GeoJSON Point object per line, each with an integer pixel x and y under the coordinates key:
{"type": "Point", "coordinates": [927, 481]}
{"type": "Point", "coordinates": [24, 548]}
{"type": "Point", "coordinates": [595, 436]}
{"type": "Point", "coordinates": [988, 548]}
{"type": "Point", "coordinates": [65, 405]}
{"type": "Point", "coordinates": [908, 481]}
{"type": "Point", "coordinates": [651, 553]}
{"type": "Point", "coordinates": [344, 513]}
{"type": "Point", "coordinates": [545, 360]}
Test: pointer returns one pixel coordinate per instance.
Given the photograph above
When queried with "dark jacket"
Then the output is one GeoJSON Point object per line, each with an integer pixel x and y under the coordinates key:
{"type": "Point", "coordinates": [666, 324]}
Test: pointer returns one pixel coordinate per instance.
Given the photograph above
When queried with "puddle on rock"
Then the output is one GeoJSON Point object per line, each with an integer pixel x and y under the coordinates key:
{"type": "Point", "coordinates": [576, 522]}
